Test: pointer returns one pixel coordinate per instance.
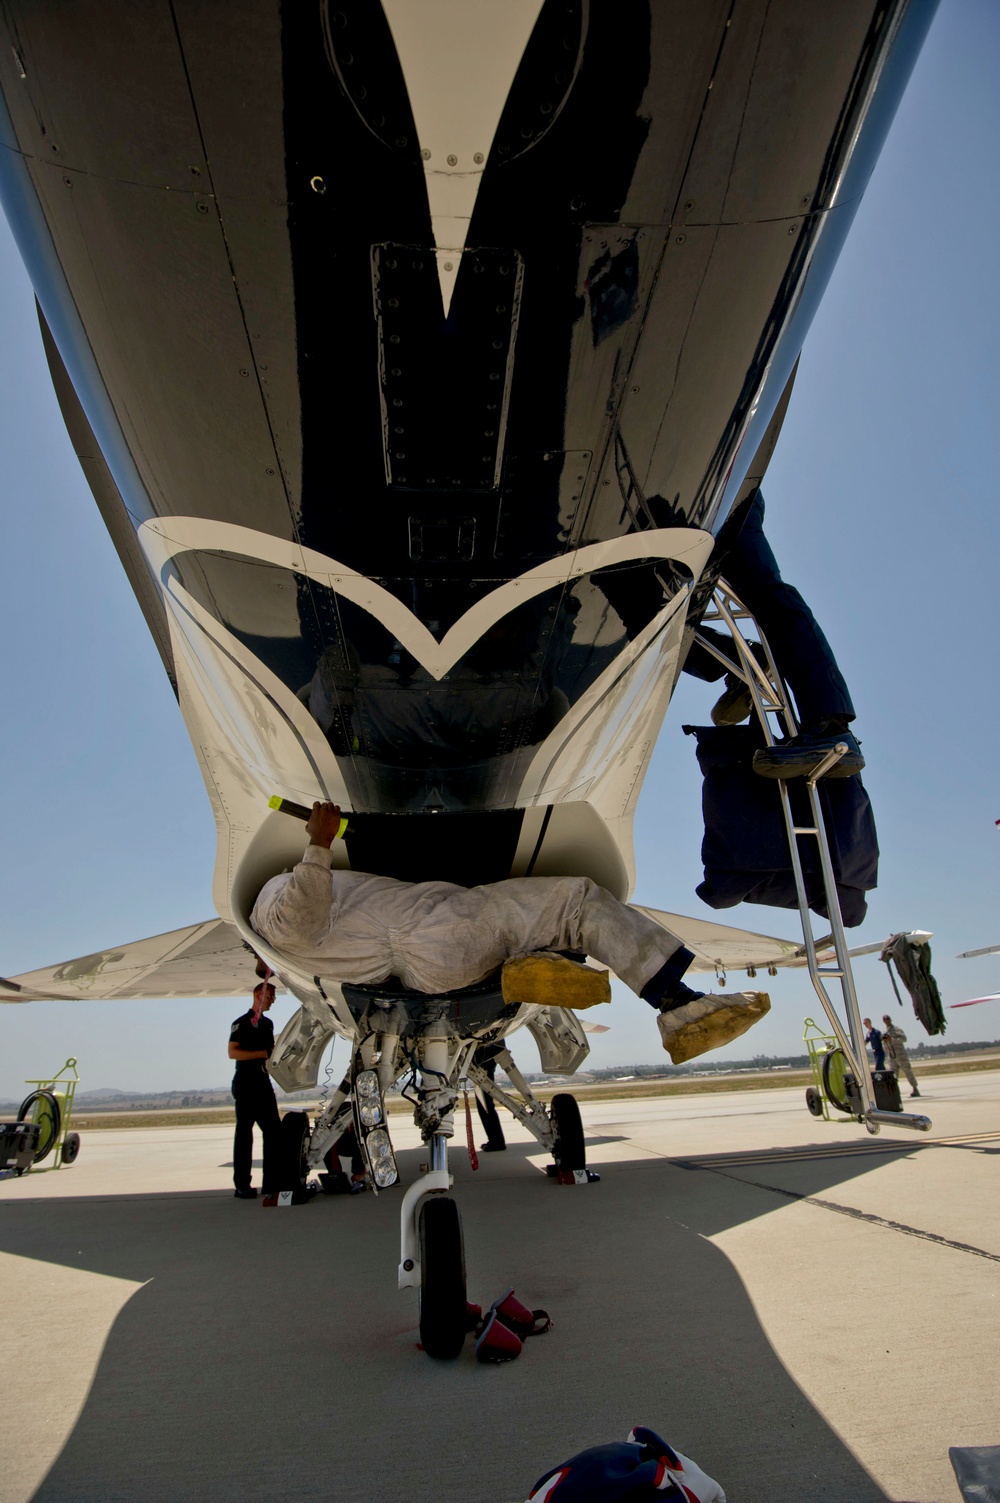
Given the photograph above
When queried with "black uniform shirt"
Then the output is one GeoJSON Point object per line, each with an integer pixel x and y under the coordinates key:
{"type": "Point", "coordinates": [245, 1036]}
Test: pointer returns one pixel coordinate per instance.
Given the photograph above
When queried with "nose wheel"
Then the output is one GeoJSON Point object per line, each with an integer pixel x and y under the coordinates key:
{"type": "Point", "coordinates": [442, 1278]}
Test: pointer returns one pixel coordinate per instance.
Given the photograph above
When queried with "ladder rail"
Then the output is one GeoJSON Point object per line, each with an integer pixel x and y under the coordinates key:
{"type": "Point", "coordinates": [770, 696]}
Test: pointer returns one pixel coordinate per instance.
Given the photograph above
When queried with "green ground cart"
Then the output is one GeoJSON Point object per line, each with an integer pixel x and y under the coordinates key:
{"type": "Point", "coordinates": [832, 1085]}
{"type": "Point", "coordinates": [50, 1104]}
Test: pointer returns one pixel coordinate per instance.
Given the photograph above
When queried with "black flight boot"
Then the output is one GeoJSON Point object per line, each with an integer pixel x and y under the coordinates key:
{"type": "Point", "coordinates": [736, 704]}
{"type": "Point", "coordinates": [796, 757]}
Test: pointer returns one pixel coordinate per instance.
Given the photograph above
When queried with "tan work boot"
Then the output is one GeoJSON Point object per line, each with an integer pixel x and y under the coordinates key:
{"type": "Point", "coordinates": [553, 981]}
{"type": "Point", "coordinates": [710, 1021]}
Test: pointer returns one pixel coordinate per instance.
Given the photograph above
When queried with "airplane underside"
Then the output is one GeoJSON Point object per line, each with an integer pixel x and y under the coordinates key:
{"type": "Point", "coordinates": [422, 359]}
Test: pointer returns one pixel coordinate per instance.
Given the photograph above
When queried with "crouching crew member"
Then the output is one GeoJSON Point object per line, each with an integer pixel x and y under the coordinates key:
{"type": "Point", "coordinates": [251, 1040]}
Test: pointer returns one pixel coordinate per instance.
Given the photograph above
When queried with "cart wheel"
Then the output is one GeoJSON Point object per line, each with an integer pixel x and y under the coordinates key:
{"type": "Point", "coordinates": [570, 1152]}
{"type": "Point", "coordinates": [293, 1146]}
{"type": "Point", "coordinates": [71, 1148]}
{"type": "Point", "coordinates": [43, 1108]}
{"type": "Point", "coordinates": [442, 1278]}
{"type": "Point", "coordinates": [834, 1083]}
{"type": "Point", "coordinates": [813, 1101]}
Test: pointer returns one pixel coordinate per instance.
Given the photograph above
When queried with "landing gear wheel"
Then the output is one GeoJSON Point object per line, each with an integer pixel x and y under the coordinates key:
{"type": "Point", "coordinates": [570, 1152]}
{"type": "Point", "coordinates": [814, 1101]}
{"type": "Point", "coordinates": [443, 1312]}
{"type": "Point", "coordinates": [293, 1146]}
{"type": "Point", "coordinates": [43, 1108]}
{"type": "Point", "coordinates": [70, 1148]}
{"type": "Point", "coordinates": [834, 1082]}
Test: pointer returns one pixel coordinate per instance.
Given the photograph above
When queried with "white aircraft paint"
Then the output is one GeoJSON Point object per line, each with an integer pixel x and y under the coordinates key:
{"type": "Point", "coordinates": [459, 59]}
{"type": "Point", "coordinates": [162, 538]}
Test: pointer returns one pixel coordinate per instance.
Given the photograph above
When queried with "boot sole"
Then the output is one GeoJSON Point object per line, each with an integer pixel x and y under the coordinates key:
{"type": "Point", "coordinates": [716, 1028]}
{"type": "Point", "coordinates": [732, 709]}
{"type": "Point", "coordinates": [847, 767]}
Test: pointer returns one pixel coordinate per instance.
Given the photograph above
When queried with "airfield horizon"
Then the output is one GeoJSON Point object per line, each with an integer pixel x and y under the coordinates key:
{"type": "Point", "coordinates": [640, 1088]}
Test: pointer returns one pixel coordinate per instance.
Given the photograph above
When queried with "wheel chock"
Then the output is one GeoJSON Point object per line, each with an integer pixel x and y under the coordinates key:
{"type": "Point", "coordinates": [572, 1176]}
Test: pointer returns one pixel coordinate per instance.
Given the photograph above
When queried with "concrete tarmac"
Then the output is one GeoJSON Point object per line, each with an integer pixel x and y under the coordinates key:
{"type": "Point", "coordinates": [811, 1313]}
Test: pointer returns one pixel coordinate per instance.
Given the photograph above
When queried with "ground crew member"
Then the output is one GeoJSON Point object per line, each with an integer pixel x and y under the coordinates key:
{"type": "Point", "coordinates": [437, 937]}
{"type": "Point", "coordinates": [803, 657]}
{"type": "Point", "coordinates": [894, 1040]}
{"type": "Point", "coordinates": [874, 1037]}
{"type": "Point", "coordinates": [251, 1040]}
{"type": "Point", "coordinates": [486, 1058]}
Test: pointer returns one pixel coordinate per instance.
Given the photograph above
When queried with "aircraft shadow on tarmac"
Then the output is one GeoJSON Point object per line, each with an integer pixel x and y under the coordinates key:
{"type": "Point", "coordinates": [270, 1355]}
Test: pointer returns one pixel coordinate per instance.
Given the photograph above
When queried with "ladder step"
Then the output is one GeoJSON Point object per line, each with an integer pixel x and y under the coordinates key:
{"type": "Point", "coordinates": [805, 830]}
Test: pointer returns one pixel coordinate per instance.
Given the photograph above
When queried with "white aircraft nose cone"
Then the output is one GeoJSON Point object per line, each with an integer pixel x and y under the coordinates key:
{"type": "Point", "coordinates": [459, 59]}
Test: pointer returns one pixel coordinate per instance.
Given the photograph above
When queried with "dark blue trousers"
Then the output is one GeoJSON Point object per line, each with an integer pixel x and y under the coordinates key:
{"type": "Point", "coordinates": [802, 654]}
{"type": "Point", "coordinates": [488, 1114]}
{"type": "Point", "coordinates": [255, 1107]}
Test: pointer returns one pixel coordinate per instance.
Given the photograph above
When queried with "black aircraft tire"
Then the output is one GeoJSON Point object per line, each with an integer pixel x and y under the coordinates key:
{"type": "Point", "coordinates": [834, 1065]}
{"type": "Point", "coordinates": [293, 1144]}
{"type": "Point", "coordinates": [70, 1148]}
{"type": "Point", "coordinates": [570, 1152]}
{"type": "Point", "coordinates": [443, 1322]}
{"type": "Point", "coordinates": [814, 1101]}
{"type": "Point", "coordinates": [49, 1119]}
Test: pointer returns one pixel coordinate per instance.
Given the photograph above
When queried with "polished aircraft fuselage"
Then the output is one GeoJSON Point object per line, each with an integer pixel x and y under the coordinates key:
{"type": "Point", "coordinates": [417, 369]}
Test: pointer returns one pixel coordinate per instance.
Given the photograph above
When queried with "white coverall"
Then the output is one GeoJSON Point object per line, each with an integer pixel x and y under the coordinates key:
{"type": "Point", "coordinates": [436, 936]}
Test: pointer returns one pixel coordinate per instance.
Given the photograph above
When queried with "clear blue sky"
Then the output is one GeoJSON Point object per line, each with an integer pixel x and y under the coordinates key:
{"type": "Point", "coordinates": [882, 505]}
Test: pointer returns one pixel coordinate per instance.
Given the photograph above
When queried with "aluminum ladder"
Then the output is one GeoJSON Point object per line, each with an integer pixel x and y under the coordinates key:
{"type": "Point", "coordinates": [771, 699]}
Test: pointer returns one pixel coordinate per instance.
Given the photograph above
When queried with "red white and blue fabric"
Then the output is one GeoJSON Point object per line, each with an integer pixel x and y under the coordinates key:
{"type": "Point", "coordinates": [643, 1469]}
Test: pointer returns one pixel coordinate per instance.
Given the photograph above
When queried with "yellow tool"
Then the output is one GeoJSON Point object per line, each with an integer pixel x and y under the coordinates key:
{"type": "Point", "coordinates": [299, 811]}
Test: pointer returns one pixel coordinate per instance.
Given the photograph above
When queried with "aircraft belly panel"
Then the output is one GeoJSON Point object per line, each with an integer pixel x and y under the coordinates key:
{"type": "Point", "coordinates": [237, 248]}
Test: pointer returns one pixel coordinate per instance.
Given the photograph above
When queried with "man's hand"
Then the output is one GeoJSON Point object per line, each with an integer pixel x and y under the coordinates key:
{"type": "Point", "coordinates": [323, 824]}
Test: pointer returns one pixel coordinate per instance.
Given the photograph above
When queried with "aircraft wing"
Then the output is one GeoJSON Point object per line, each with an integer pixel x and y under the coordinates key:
{"type": "Point", "coordinates": [210, 960]}
{"type": "Point", "coordinates": [722, 947]}
{"type": "Point", "coordinates": [203, 960]}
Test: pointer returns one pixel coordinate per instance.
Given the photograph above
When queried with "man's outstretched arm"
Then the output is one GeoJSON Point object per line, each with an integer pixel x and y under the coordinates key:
{"type": "Point", "coordinates": [297, 913]}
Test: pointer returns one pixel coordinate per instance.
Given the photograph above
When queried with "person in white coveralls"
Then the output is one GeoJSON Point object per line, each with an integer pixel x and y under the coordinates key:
{"type": "Point", "coordinates": [437, 937]}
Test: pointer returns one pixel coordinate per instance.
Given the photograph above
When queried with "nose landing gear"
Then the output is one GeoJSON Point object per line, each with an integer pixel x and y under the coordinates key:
{"type": "Point", "coordinates": [432, 1253]}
